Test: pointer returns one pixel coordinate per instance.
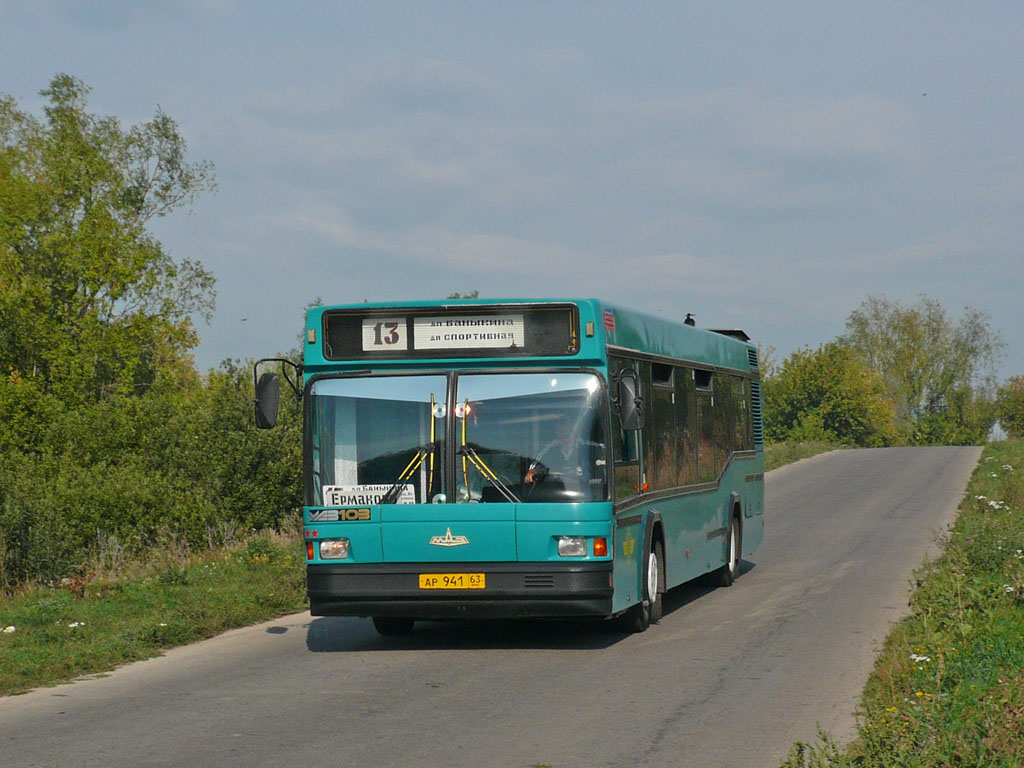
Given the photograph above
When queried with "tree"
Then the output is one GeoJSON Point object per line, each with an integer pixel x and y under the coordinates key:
{"type": "Point", "coordinates": [1010, 406]}
{"type": "Point", "coordinates": [99, 400]}
{"type": "Point", "coordinates": [827, 394]}
{"type": "Point", "coordinates": [940, 373]}
{"type": "Point", "coordinates": [90, 302]}
{"type": "Point", "coordinates": [468, 295]}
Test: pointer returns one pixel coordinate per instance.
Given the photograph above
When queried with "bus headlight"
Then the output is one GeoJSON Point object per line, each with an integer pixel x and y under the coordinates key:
{"type": "Point", "coordinates": [572, 546]}
{"type": "Point", "coordinates": [336, 549]}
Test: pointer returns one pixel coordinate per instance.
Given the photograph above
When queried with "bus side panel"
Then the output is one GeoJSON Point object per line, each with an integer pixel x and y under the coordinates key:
{"type": "Point", "coordinates": [749, 480]}
{"type": "Point", "coordinates": [628, 549]}
{"type": "Point", "coordinates": [695, 523]}
{"type": "Point", "coordinates": [686, 520]}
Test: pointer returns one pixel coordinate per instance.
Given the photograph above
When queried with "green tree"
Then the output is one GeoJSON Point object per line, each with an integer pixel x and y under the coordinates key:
{"type": "Point", "coordinates": [826, 394]}
{"type": "Point", "coordinates": [939, 372]}
{"type": "Point", "coordinates": [1010, 406]}
{"type": "Point", "coordinates": [91, 304]}
{"type": "Point", "coordinates": [101, 409]}
{"type": "Point", "coordinates": [467, 295]}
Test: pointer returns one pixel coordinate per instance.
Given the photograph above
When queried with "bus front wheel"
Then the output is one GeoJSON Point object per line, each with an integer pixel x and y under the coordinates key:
{"type": "Point", "coordinates": [639, 617]}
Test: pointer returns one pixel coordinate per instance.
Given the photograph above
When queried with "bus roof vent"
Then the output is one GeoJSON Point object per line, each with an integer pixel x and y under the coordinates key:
{"type": "Point", "coordinates": [752, 357]}
{"type": "Point", "coordinates": [735, 333]}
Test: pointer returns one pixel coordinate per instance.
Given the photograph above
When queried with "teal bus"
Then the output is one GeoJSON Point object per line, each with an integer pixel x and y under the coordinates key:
{"type": "Point", "coordinates": [520, 458]}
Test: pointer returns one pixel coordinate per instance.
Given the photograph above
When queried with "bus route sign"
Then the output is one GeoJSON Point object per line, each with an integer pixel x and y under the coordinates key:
{"type": "Point", "coordinates": [468, 332]}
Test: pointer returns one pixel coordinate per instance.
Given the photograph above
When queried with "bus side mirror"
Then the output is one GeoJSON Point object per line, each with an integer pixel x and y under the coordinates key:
{"type": "Point", "coordinates": [629, 405]}
{"type": "Point", "coordinates": [268, 392]}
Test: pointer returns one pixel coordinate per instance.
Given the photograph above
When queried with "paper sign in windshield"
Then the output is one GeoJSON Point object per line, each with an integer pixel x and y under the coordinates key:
{"type": "Point", "coordinates": [468, 332]}
{"type": "Point", "coordinates": [364, 495]}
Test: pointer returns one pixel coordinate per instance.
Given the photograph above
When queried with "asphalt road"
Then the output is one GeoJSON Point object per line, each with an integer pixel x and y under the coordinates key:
{"type": "Point", "coordinates": [729, 677]}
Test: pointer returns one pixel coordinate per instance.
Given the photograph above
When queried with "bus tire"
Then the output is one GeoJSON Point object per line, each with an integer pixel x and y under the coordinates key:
{"type": "Point", "coordinates": [658, 564]}
{"type": "Point", "coordinates": [390, 626]}
{"type": "Point", "coordinates": [729, 572]}
{"type": "Point", "coordinates": [639, 617]}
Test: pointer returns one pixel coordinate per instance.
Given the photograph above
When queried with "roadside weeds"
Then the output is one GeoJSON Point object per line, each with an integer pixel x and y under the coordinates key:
{"type": "Point", "coordinates": [948, 686]}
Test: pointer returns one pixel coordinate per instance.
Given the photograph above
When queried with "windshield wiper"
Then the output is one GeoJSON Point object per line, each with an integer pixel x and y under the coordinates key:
{"type": "Point", "coordinates": [422, 452]}
{"type": "Point", "coordinates": [488, 473]}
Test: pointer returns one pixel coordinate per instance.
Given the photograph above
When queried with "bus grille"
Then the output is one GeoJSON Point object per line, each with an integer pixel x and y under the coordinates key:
{"type": "Point", "coordinates": [539, 580]}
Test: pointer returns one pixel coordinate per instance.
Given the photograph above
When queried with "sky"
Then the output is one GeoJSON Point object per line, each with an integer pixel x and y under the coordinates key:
{"type": "Point", "coordinates": [765, 166]}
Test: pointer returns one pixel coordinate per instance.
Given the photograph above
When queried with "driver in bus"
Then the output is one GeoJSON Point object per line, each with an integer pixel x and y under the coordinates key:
{"type": "Point", "coordinates": [562, 457]}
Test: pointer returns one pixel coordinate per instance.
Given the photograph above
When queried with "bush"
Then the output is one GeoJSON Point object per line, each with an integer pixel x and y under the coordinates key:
{"type": "Point", "coordinates": [825, 395]}
{"type": "Point", "coordinates": [185, 462]}
{"type": "Point", "coordinates": [1010, 406]}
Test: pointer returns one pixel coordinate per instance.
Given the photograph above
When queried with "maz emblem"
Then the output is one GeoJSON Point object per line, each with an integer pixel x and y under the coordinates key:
{"type": "Point", "coordinates": [448, 540]}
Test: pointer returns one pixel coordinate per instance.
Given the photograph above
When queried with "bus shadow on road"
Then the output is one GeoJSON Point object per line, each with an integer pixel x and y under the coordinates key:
{"type": "Point", "coordinates": [341, 635]}
{"type": "Point", "coordinates": [338, 635]}
{"type": "Point", "coordinates": [686, 593]}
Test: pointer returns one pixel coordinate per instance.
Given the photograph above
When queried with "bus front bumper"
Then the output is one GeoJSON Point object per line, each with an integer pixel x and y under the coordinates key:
{"type": "Point", "coordinates": [512, 590]}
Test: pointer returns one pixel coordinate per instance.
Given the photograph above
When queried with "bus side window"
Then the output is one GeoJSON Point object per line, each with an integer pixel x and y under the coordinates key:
{"type": "Point", "coordinates": [707, 470]}
{"type": "Point", "coordinates": [686, 426]}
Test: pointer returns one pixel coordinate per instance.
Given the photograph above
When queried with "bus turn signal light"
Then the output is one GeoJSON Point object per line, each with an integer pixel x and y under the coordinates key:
{"type": "Point", "coordinates": [600, 547]}
{"type": "Point", "coordinates": [309, 550]}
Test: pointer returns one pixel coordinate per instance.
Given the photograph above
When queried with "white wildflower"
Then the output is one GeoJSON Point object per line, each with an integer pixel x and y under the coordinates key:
{"type": "Point", "coordinates": [919, 658]}
{"type": "Point", "coordinates": [1007, 587]}
{"type": "Point", "coordinates": [981, 498]}
{"type": "Point", "coordinates": [162, 624]}
{"type": "Point", "coordinates": [9, 630]}
{"type": "Point", "coordinates": [1007, 467]}
{"type": "Point", "coordinates": [74, 624]}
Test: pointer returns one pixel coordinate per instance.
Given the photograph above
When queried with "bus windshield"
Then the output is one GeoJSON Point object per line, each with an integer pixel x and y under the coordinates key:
{"type": "Point", "coordinates": [520, 438]}
{"type": "Point", "coordinates": [378, 440]}
{"type": "Point", "coordinates": [530, 437]}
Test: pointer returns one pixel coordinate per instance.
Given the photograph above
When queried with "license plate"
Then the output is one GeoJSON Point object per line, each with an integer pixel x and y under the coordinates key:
{"type": "Point", "coordinates": [451, 581]}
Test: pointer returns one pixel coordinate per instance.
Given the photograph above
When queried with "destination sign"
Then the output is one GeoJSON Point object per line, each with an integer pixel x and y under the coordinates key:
{"type": "Point", "coordinates": [468, 332]}
{"type": "Point", "coordinates": [356, 495]}
{"type": "Point", "coordinates": [479, 330]}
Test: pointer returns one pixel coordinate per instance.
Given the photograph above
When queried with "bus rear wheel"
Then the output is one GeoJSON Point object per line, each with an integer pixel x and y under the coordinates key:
{"type": "Point", "coordinates": [656, 581]}
{"type": "Point", "coordinates": [389, 626]}
{"type": "Point", "coordinates": [729, 572]}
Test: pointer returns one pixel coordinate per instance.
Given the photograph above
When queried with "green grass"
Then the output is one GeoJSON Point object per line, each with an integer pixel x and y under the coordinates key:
{"type": "Point", "coordinates": [94, 624]}
{"type": "Point", "coordinates": [948, 687]}
{"type": "Point", "coordinates": [780, 454]}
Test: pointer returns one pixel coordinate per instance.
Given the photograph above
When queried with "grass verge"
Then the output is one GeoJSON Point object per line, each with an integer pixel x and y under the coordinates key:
{"type": "Point", "coordinates": [948, 688]}
{"type": "Point", "coordinates": [93, 625]}
{"type": "Point", "coordinates": [780, 454]}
